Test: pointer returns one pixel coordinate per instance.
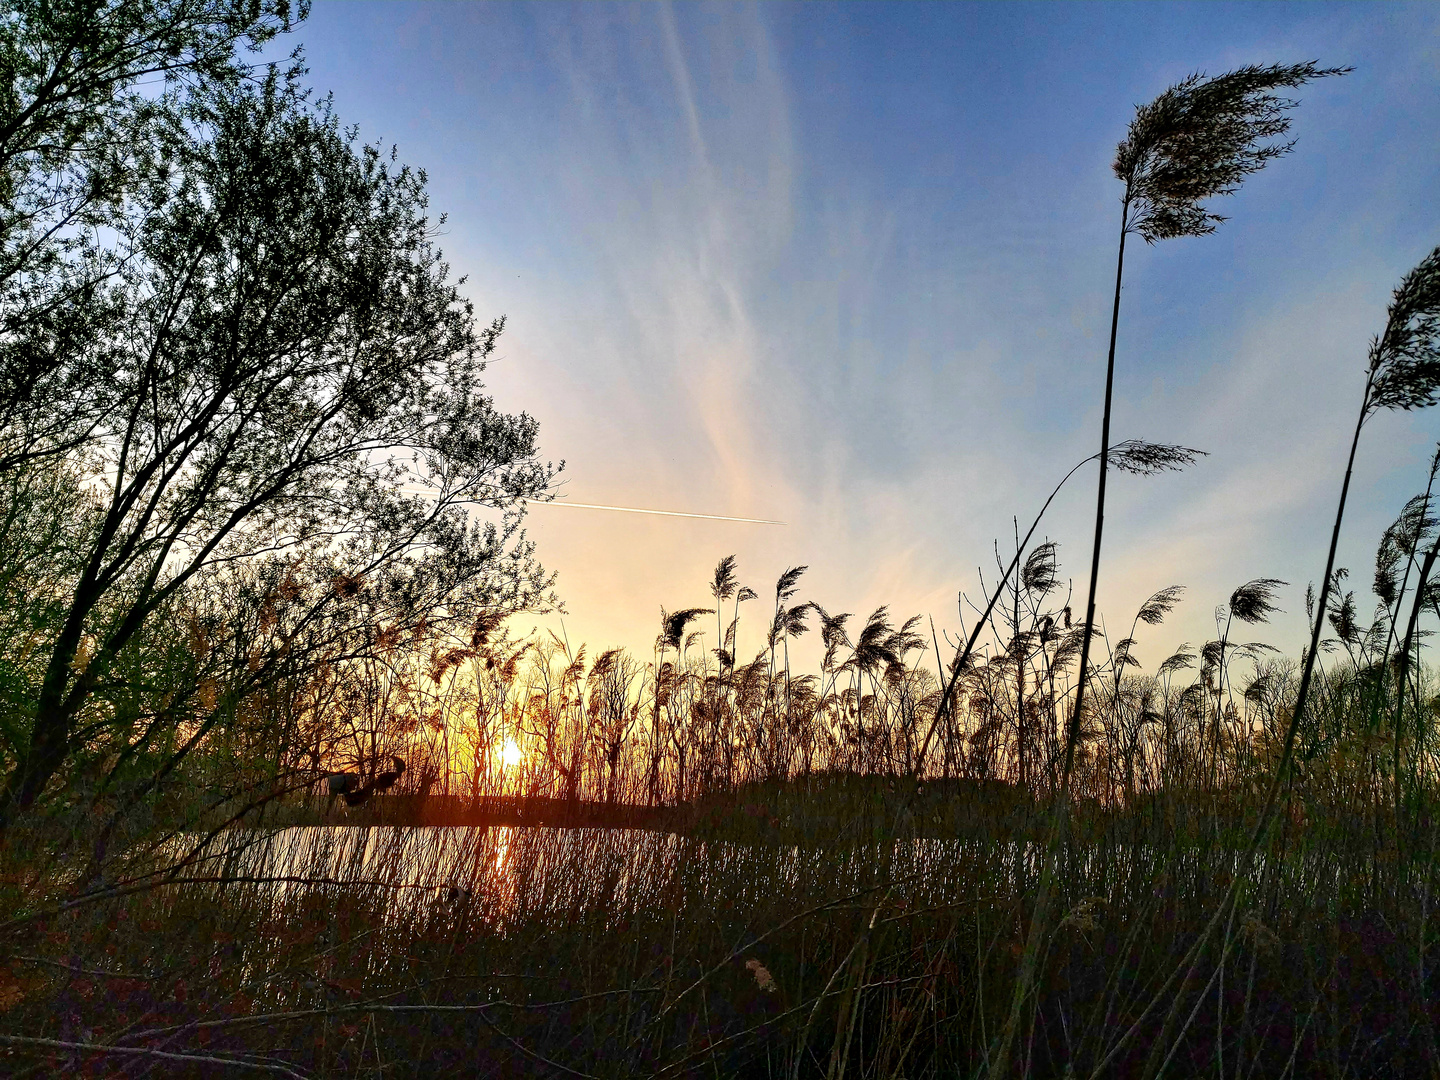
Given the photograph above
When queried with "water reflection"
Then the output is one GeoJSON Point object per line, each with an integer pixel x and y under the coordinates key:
{"type": "Point", "coordinates": [508, 875]}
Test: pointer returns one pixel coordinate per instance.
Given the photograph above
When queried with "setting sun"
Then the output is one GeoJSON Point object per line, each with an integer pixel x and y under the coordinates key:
{"type": "Point", "coordinates": [511, 754]}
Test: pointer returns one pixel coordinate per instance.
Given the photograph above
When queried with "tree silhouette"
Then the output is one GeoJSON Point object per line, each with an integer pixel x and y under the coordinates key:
{"type": "Point", "coordinates": [292, 351]}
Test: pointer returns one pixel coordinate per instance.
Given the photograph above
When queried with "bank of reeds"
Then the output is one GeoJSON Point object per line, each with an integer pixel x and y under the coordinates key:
{"type": "Point", "coordinates": [827, 918]}
{"type": "Point", "coordinates": [813, 892]}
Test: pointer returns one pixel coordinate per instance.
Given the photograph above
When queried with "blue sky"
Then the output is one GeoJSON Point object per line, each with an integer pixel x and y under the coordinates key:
{"type": "Point", "coordinates": [849, 266]}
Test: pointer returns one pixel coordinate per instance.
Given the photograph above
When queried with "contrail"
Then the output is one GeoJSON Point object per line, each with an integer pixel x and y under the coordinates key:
{"type": "Point", "coordinates": [421, 489]}
{"type": "Point", "coordinates": [662, 513]}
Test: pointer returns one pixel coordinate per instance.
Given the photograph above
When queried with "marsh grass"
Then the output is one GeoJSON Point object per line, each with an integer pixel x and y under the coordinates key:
{"type": "Point", "coordinates": [890, 941]}
{"type": "Point", "coordinates": [889, 912]}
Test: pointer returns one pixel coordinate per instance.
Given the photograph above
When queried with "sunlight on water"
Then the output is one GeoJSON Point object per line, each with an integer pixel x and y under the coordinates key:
{"type": "Point", "coordinates": [511, 872]}
{"type": "Point", "coordinates": [524, 873]}
{"type": "Point", "coordinates": [506, 876]}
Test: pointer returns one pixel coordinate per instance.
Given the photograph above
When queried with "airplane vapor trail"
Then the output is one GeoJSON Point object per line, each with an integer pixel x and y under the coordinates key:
{"type": "Point", "coordinates": [662, 513]}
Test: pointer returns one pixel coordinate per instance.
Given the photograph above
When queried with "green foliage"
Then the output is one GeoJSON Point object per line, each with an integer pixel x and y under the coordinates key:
{"type": "Point", "coordinates": [280, 353]}
{"type": "Point", "coordinates": [77, 139]}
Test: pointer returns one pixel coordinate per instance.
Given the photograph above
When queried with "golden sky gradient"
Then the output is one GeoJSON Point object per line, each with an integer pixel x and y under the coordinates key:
{"type": "Point", "coordinates": [848, 268]}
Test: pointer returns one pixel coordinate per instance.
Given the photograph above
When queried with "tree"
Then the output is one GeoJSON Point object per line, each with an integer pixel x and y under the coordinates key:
{"type": "Point", "coordinates": [295, 384]}
{"type": "Point", "coordinates": [77, 134]}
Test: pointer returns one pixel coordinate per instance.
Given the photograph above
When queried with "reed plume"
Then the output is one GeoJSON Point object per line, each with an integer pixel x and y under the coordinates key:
{"type": "Point", "coordinates": [1198, 140]}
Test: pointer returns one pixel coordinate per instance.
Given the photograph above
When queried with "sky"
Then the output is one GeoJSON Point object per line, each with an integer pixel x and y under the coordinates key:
{"type": "Point", "coordinates": [850, 267]}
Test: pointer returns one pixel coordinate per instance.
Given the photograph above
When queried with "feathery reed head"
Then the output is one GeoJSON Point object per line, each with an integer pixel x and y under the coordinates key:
{"type": "Point", "coordinates": [604, 664]}
{"type": "Point", "coordinates": [1040, 574]}
{"type": "Point", "coordinates": [790, 622]}
{"type": "Point", "coordinates": [1122, 656]}
{"type": "Point", "coordinates": [1343, 616]}
{"type": "Point", "coordinates": [1200, 139]}
{"type": "Point", "coordinates": [1154, 610]}
{"type": "Point", "coordinates": [485, 625]}
{"type": "Point", "coordinates": [1254, 602]}
{"type": "Point", "coordinates": [832, 627]}
{"type": "Point", "coordinates": [672, 627]}
{"type": "Point", "coordinates": [1211, 653]}
{"type": "Point", "coordinates": [1405, 359]}
{"type": "Point", "coordinates": [1179, 660]}
{"type": "Point", "coordinates": [1398, 542]}
{"type": "Point", "coordinates": [723, 586]}
{"type": "Point", "coordinates": [1146, 458]}
{"type": "Point", "coordinates": [785, 588]}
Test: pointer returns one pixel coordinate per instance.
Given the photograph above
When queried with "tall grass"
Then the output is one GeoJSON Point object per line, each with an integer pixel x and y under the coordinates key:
{"type": "Point", "coordinates": [888, 917]}
{"type": "Point", "coordinates": [888, 899]}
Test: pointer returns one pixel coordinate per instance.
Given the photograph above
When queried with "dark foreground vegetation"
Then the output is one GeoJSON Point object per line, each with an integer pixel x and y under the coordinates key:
{"type": "Point", "coordinates": [259, 541]}
{"type": "Point", "coordinates": [892, 948]}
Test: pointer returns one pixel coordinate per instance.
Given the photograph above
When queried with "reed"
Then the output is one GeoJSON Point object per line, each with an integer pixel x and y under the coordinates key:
{"type": "Point", "coordinates": [889, 916]}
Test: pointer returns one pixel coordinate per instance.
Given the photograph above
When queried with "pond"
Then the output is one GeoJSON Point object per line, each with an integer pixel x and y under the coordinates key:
{"type": "Point", "coordinates": [513, 875]}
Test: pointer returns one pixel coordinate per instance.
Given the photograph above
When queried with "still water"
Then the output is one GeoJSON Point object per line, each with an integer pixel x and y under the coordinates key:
{"type": "Point", "coordinates": [521, 874]}
{"type": "Point", "coordinates": [516, 875]}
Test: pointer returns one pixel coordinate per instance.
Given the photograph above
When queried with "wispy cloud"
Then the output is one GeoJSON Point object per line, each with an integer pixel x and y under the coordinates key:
{"type": "Point", "coordinates": [846, 268]}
